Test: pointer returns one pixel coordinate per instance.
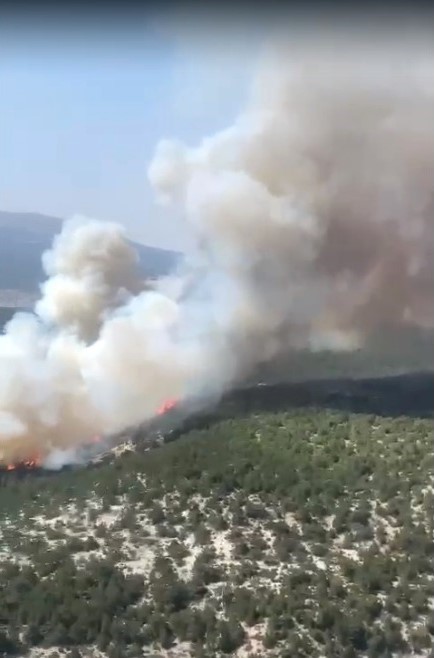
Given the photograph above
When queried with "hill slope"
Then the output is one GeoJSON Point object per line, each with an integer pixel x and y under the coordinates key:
{"type": "Point", "coordinates": [294, 533]}
{"type": "Point", "coordinates": [25, 236]}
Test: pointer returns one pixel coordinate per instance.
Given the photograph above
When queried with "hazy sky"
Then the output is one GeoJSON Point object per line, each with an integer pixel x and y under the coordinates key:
{"type": "Point", "coordinates": [85, 100]}
{"type": "Point", "coordinates": [83, 108]}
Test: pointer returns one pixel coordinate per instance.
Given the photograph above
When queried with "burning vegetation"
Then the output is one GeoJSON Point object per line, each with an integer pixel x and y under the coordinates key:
{"type": "Point", "coordinates": [38, 462]}
{"type": "Point", "coordinates": [313, 219]}
{"type": "Point", "coordinates": [27, 464]}
{"type": "Point", "coordinates": [166, 406]}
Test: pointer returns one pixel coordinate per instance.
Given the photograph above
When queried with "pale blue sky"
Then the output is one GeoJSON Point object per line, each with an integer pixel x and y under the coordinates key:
{"type": "Point", "coordinates": [81, 112]}
{"type": "Point", "coordinates": [85, 100]}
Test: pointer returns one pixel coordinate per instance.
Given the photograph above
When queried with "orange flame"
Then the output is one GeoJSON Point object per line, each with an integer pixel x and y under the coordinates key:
{"type": "Point", "coordinates": [166, 406]}
{"type": "Point", "coordinates": [36, 461]}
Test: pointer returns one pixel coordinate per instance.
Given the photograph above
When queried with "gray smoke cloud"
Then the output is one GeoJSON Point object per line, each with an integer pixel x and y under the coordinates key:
{"type": "Point", "coordinates": [313, 217]}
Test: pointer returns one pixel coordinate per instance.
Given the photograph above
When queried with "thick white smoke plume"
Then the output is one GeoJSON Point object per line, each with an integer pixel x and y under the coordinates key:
{"type": "Point", "coordinates": [92, 269]}
{"type": "Point", "coordinates": [313, 216]}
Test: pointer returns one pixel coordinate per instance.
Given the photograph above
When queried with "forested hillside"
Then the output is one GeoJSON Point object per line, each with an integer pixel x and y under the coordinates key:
{"type": "Point", "coordinates": [295, 533]}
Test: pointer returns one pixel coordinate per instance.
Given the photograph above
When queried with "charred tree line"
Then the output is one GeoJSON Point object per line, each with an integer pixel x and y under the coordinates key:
{"type": "Point", "coordinates": [399, 395]}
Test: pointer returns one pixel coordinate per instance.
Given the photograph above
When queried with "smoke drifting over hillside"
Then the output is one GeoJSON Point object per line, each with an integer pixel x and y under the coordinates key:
{"type": "Point", "coordinates": [313, 216]}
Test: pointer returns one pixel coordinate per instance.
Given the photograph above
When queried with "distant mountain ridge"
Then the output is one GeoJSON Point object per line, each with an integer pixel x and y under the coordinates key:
{"type": "Point", "coordinates": [25, 236]}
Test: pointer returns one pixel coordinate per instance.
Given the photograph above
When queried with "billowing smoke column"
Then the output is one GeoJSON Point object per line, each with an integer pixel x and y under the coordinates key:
{"type": "Point", "coordinates": [313, 216]}
{"type": "Point", "coordinates": [92, 269]}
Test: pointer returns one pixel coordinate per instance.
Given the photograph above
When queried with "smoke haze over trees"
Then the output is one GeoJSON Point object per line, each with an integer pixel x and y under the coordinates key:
{"type": "Point", "coordinates": [313, 215]}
